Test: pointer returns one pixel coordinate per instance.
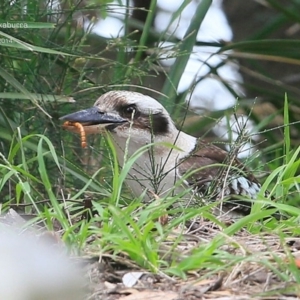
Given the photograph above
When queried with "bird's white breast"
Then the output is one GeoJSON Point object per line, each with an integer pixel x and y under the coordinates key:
{"type": "Point", "coordinates": [156, 169]}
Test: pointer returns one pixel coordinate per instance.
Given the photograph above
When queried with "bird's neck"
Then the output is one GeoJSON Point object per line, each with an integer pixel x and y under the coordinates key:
{"type": "Point", "coordinates": [178, 144]}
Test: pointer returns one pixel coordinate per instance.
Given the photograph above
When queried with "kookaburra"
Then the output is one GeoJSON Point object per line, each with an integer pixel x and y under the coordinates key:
{"type": "Point", "coordinates": [174, 160]}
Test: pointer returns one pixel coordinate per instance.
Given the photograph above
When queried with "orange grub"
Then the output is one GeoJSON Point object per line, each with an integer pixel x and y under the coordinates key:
{"type": "Point", "coordinates": [81, 131]}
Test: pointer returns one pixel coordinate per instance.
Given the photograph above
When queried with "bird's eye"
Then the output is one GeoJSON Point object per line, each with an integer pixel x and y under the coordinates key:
{"type": "Point", "coordinates": [129, 110]}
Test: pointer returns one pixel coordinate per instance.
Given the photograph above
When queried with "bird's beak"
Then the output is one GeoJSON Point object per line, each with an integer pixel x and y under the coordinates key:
{"type": "Point", "coordinates": [92, 120]}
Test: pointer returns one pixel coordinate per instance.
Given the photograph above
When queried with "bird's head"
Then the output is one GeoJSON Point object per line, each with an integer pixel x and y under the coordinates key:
{"type": "Point", "coordinates": [126, 115]}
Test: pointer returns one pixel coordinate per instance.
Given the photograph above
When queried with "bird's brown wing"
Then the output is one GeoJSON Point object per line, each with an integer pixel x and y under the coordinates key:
{"type": "Point", "coordinates": [213, 171]}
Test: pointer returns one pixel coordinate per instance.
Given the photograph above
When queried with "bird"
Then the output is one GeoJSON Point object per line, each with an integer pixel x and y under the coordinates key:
{"type": "Point", "coordinates": [169, 160]}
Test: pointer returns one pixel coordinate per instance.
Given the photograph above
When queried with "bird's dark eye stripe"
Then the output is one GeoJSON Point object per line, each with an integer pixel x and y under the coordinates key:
{"type": "Point", "coordinates": [158, 123]}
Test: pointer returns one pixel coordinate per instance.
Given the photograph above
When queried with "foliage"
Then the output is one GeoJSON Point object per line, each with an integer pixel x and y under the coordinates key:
{"type": "Point", "coordinates": [43, 170]}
